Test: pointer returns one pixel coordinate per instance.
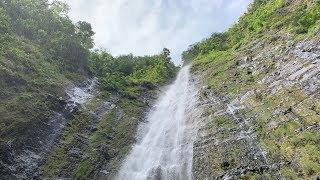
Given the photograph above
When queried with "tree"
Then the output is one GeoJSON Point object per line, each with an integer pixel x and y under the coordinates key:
{"type": "Point", "coordinates": [59, 8]}
{"type": "Point", "coordinates": [85, 33]}
{"type": "Point", "coordinates": [190, 54]}
{"type": "Point", "coordinates": [166, 54]}
{"type": "Point", "coordinates": [99, 62]}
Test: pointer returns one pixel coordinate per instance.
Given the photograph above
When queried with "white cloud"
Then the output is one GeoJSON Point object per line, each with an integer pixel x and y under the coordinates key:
{"type": "Point", "coordinates": [146, 26]}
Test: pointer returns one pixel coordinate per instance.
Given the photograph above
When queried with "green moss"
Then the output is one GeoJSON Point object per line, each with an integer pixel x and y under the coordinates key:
{"type": "Point", "coordinates": [287, 150]}
{"type": "Point", "coordinates": [289, 173]}
{"type": "Point", "coordinates": [302, 139]}
{"type": "Point", "coordinates": [56, 162]}
{"type": "Point", "coordinates": [225, 122]}
{"type": "Point", "coordinates": [285, 130]}
{"type": "Point", "coordinates": [59, 160]}
{"type": "Point", "coordinates": [256, 176]}
{"type": "Point", "coordinates": [105, 129]}
{"type": "Point", "coordinates": [83, 171]}
{"type": "Point", "coordinates": [310, 159]}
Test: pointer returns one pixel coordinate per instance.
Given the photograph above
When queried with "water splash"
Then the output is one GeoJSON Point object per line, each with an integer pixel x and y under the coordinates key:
{"type": "Point", "coordinates": [81, 95]}
{"type": "Point", "coordinates": [166, 149]}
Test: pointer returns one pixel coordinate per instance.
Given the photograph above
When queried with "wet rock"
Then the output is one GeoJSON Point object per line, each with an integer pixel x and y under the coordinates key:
{"type": "Point", "coordinates": [307, 49]}
{"type": "Point", "coordinates": [155, 174]}
{"type": "Point", "coordinates": [75, 152]}
{"type": "Point", "coordinates": [6, 161]}
{"type": "Point", "coordinates": [109, 137]}
{"type": "Point", "coordinates": [119, 113]}
{"type": "Point", "coordinates": [6, 156]}
{"type": "Point", "coordinates": [289, 110]}
{"type": "Point", "coordinates": [104, 173]}
{"type": "Point", "coordinates": [92, 128]}
{"type": "Point", "coordinates": [148, 85]}
{"type": "Point", "coordinates": [58, 103]}
{"type": "Point", "coordinates": [106, 107]}
{"type": "Point", "coordinates": [12, 79]}
{"type": "Point", "coordinates": [25, 155]}
{"type": "Point", "coordinates": [62, 101]}
{"type": "Point", "coordinates": [82, 138]}
{"type": "Point", "coordinates": [225, 165]}
{"type": "Point", "coordinates": [239, 144]}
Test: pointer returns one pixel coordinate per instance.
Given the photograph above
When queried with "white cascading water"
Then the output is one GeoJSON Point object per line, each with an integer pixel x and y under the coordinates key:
{"type": "Point", "coordinates": [166, 148]}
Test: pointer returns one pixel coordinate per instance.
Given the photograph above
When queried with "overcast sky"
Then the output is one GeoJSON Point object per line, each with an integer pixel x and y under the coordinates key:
{"type": "Point", "coordinates": [145, 27]}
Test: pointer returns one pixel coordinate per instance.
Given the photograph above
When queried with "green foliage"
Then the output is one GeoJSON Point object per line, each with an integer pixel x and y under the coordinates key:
{"type": "Point", "coordinates": [85, 33]}
{"type": "Point", "coordinates": [99, 62]}
{"type": "Point", "coordinates": [158, 73]}
{"type": "Point", "coordinates": [305, 17]}
{"type": "Point", "coordinates": [262, 16]}
{"type": "Point", "coordinates": [48, 26]}
{"type": "Point", "coordinates": [113, 82]}
{"type": "Point", "coordinates": [217, 42]}
{"type": "Point", "coordinates": [41, 51]}
{"type": "Point", "coordinates": [259, 17]}
{"type": "Point", "coordinates": [120, 74]}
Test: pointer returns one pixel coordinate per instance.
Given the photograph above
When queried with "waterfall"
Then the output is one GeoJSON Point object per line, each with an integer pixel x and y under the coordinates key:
{"type": "Point", "coordinates": [166, 148]}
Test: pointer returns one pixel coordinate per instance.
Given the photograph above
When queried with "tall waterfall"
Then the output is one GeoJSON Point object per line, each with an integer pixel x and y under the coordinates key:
{"type": "Point", "coordinates": [166, 148]}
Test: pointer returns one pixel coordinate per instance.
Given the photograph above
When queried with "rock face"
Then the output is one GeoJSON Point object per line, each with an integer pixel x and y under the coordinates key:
{"type": "Point", "coordinates": [227, 144]}
{"type": "Point", "coordinates": [269, 126]}
{"type": "Point", "coordinates": [24, 157]}
{"type": "Point", "coordinates": [98, 137]}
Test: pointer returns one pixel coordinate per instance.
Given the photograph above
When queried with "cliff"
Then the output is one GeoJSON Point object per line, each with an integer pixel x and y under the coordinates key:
{"type": "Point", "coordinates": [260, 94]}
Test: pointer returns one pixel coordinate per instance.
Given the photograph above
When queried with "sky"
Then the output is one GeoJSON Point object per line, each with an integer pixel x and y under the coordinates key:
{"type": "Point", "coordinates": [145, 27]}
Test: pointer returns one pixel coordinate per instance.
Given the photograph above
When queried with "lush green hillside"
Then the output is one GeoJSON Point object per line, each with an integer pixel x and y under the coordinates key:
{"type": "Point", "coordinates": [42, 54]}
{"type": "Point", "coordinates": [266, 69]}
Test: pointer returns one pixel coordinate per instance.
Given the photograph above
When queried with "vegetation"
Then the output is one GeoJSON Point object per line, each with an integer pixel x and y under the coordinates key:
{"type": "Point", "coordinates": [125, 73]}
{"type": "Point", "coordinates": [237, 61]}
{"type": "Point", "coordinates": [42, 52]}
{"type": "Point", "coordinates": [262, 17]}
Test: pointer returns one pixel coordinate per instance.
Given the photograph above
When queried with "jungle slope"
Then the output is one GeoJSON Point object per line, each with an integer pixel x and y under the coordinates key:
{"type": "Point", "coordinates": [261, 94]}
{"type": "Point", "coordinates": [43, 54]}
